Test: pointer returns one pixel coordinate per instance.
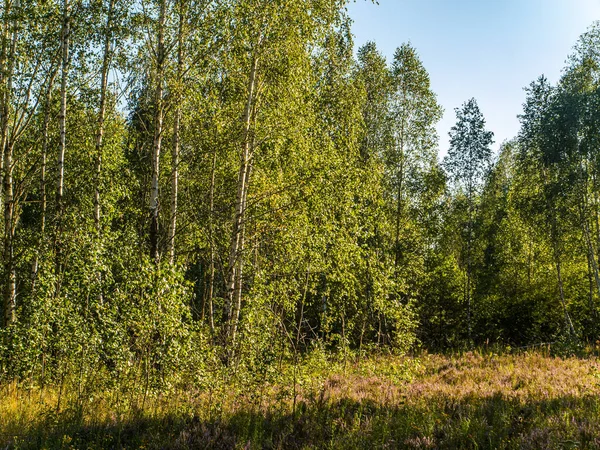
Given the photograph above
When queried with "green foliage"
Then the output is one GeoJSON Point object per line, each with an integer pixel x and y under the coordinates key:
{"type": "Point", "coordinates": [289, 195]}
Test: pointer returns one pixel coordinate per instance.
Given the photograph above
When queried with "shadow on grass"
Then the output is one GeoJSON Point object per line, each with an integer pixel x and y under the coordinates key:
{"type": "Point", "coordinates": [489, 422]}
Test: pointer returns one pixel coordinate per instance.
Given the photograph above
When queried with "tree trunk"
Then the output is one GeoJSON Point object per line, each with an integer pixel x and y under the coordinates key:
{"type": "Point", "coordinates": [211, 231]}
{"type": "Point", "coordinates": [591, 253]}
{"type": "Point", "coordinates": [7, 181]}
{"type": "Point", "coordinates": [43, 196]}
{"type": "Point", "coordinates": [468, 296]}
{"type": "Point", "coordinates": [583, 210]}
{"type": "Point", "coordinates": [470, 200]}
{"type": "Point", "coordinates": [174, 186]}
{"type": "Point", "coordinates": [399, 212]}
{"type": "Point", "coordinates": [596, 215]}
{"type": "Point", "coordinates": [400, 188]}
{"type": "Point", "coordinates": [102, 114]}
{"type": "Point", "coordinates": [176, 143]}
{"type": "Point", "coordinates": [100, 137]}
{"type": "Point", "coordinates": [234, 283]}
{"type": "Point", "coordinates": [9, 230]}
{"type": "Point", "coordinates": [63, 109]}
{"type": "Point", "coordinates": [5, 75]}
{"type": "Point", "coordinates": [158, 132]}
{"type": "Point", "coordinates": [237, 297]}
{"type": "Point", "coordinates": [561, 291]}
{"type": "Point", "coordinates": [60, 209]}
{"type": "Point", "coordinates": [590, 286]}
{"type": "Point", "coordinates": [556, 253]}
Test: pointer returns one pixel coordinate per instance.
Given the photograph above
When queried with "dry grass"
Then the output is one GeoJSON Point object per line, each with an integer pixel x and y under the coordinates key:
{"type": "Point", "coordinates": [468, 401]}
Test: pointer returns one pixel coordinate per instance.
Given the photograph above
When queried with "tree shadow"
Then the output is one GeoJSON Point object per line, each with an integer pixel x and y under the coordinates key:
{"type": "Point", "coordinates": [489, 422]}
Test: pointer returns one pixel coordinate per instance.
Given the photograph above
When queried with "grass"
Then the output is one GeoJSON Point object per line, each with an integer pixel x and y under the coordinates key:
{"type": "Point", "coordinates": [526, 401]}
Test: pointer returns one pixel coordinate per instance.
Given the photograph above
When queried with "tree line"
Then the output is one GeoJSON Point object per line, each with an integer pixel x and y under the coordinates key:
{"type": "Point", "coordinates": [185, 181]}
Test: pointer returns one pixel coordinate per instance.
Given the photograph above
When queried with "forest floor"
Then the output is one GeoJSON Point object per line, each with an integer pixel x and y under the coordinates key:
{"type": "Point", "coordinates": [473, 400]}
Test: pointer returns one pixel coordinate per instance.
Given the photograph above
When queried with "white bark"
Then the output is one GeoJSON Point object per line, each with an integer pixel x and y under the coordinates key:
{"type": "Point", "coordinates": [63, 107]}
{"type": "Point", "coordinates": [176, 144]}
{"type": "Point", "coordinates": [158, 133]}
{"type": "Point", "coordinates": [236, 262]}
{"type": "Point", "coordinates": [106, 56]}
{"type": "Point", "coordinates": [7, 179]}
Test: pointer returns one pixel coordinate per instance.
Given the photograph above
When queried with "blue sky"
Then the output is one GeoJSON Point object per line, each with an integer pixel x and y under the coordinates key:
{"type": "Point", "coordinates": [487, 49]}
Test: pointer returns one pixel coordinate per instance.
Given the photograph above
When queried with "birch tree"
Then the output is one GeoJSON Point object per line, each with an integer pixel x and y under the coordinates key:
{"type": "Point", "coordinates": [468, 162]}
{"type": "Point", "coordinates": [275, 31]}
{"type": "Point", "coordinates": [414, 115]}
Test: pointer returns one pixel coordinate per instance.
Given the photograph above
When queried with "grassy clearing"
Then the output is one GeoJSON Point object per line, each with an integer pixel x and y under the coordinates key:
{"type": "Point", "coordinates": [468, 401]}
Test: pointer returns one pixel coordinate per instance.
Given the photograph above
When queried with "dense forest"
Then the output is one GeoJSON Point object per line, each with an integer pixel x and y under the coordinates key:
{"type": "Point", "coordinates": [194, 186]}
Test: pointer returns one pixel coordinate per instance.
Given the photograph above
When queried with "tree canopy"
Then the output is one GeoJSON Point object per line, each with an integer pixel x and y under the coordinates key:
{"type": "Point", "coordinates": [199, 184]}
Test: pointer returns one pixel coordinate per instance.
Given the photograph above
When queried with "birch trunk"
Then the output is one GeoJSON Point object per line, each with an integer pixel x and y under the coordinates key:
{"type": "Point", "coordinates": [4, 91]}
{"type": "Point", "coordinates": [236, 264]}
{"type": "Point", "coordinates": [174, 186]}
{"type": "Point", "coordinates": [63, 109]}
{"type": "Point", "coordinates": [8, 200]}
{"type": "Point", "coordinates": [400, 190]}
{"type": "Point", "coordinates": [557, 262]}
{"type": "Point", "coordinates": [158, 132]}
{"type": "Point", "coordinates": [100, 137]}
{"type": "Point", "coordinates": [468, 287]}
{"type": "Point", "coordinates": [102, 114]}
{"type": "Point", "coordinates": [43, 196]}
{"type": "Point", "coordinates": [399, 212]}
{"type": "Point", "coordinates": [584, 209]}
{"type": "Point", "coordinates": [176, 144]}
{"type": "Point", "coordinates": [237, 298]}
{"type": "Point", "coordinates": [591, 254]}
{"type": "Point", "coordinates": [211, 231]}
{"type": "Point", "coordinates": [9, 229]}
{"type": "Point", "coordinates": [62, 144]}
{"type": "Point", "coordinates": [568, 322]}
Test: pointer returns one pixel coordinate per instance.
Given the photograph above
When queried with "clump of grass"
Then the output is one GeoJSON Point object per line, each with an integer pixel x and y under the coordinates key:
{"type": "Point", "coordinates": [471, 400]}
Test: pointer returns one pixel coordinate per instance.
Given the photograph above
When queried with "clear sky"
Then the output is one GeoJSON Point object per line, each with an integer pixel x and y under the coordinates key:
{"type": "Point", "coordinates": [487, 49]}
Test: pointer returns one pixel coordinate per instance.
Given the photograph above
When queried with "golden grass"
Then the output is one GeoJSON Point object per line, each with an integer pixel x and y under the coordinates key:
{"type": "Point", "coordinates": [467, 401]}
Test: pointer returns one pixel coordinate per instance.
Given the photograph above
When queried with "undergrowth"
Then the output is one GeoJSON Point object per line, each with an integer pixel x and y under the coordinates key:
{"type": "Point", "coordinates": [469, 400]}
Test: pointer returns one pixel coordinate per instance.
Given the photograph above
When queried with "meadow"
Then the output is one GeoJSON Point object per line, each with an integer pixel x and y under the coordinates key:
{"type": "Point", "coordinates": [528, 400]}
